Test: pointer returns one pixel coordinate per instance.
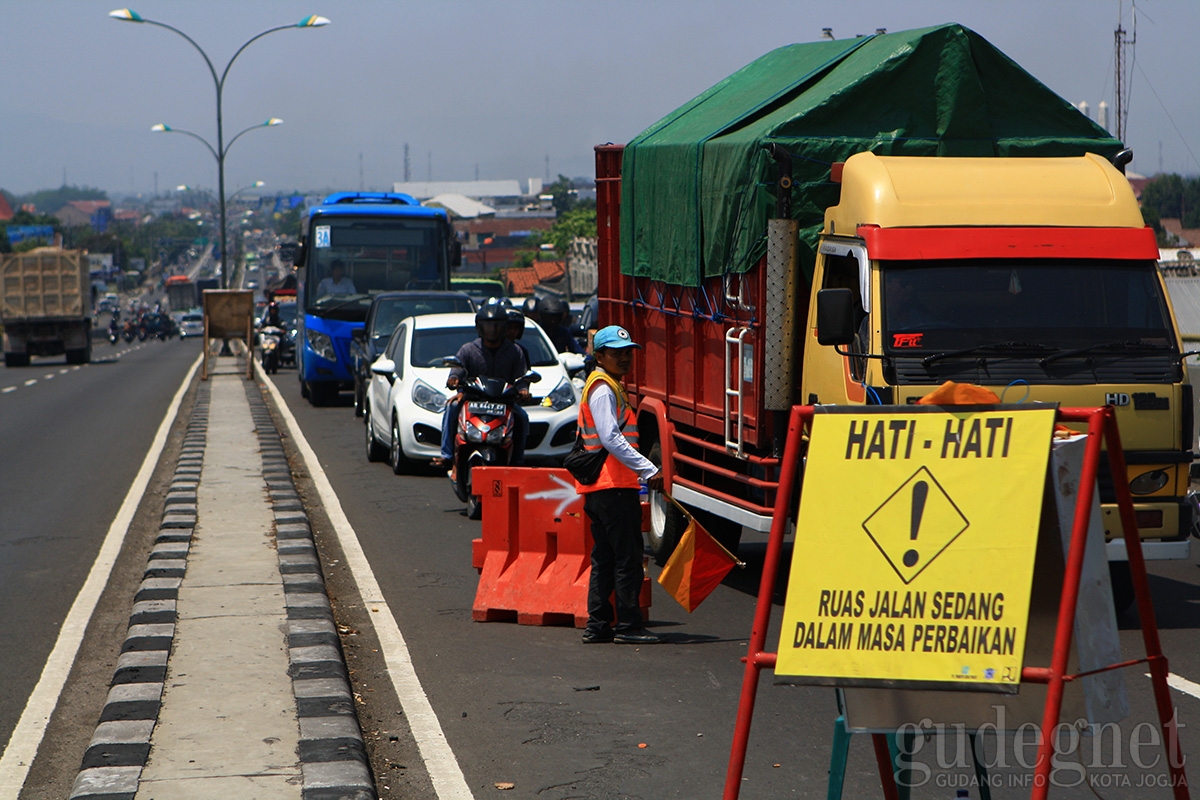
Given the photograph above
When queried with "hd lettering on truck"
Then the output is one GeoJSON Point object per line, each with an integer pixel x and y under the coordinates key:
{"type": "Point", "coordinates": [861, 270]}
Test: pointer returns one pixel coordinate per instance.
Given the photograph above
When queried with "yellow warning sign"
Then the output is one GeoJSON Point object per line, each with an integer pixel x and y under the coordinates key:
{"type": "Point", "coordinates": [914, 548]}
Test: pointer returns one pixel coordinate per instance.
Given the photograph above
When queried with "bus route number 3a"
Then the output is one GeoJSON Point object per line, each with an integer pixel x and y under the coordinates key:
{"type": "Point", "coordinates": [322, 237]}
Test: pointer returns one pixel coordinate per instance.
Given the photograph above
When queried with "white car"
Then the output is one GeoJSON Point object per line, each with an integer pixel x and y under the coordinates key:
{"type": "Point", "coordinates": [191, 324]}
{"type": "Point", "coordinates": [407, 393]}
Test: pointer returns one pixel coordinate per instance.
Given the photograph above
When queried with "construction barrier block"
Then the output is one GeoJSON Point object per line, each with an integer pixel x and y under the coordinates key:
{"type": "Point", "coordinates": [534, 558]}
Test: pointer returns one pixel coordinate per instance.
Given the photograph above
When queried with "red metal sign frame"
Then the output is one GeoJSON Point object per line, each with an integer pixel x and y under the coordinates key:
{"type": "Point", "coordinates": [1101, 429]}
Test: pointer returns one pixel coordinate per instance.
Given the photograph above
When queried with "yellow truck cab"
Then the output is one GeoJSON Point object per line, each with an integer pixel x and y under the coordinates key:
{"type": "Point", "coordinates": [1034, 277]}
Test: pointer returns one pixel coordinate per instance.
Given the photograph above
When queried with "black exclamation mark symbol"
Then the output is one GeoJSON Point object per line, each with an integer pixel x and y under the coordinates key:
{"type": "Point", "coordinates": [920, 491]}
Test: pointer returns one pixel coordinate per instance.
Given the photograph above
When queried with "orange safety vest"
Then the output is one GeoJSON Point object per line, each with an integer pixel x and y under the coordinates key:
{"type": "Point", "coordinates": [614, 474]}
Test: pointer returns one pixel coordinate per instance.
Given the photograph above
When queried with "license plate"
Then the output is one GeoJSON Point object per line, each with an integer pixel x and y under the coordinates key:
{"type": "Point", "coordinates": [486, 409]}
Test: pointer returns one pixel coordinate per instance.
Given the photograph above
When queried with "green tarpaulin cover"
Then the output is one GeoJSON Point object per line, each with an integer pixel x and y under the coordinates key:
{"type": "Point", "coordinates": [698, 186]}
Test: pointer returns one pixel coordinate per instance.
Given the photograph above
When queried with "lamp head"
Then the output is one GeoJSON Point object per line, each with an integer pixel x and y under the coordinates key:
{"type": "Point", "coordinates": [161, 128]}
{"type": "Point", "coordinates": [311, 21]}
{"type": "Point", "coordinates": [273, 121]}
{"type": "Point", "coordinates": [127, 15]}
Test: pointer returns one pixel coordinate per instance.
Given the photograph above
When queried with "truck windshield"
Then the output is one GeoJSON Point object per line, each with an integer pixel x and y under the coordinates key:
{"type": "Point", "coordinates": [353, 257]}
{"type": "Point", "coordinates": [1029, 307]}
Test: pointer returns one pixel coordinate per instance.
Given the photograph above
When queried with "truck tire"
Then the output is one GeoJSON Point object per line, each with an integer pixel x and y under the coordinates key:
{"type": "Point", "coordinates": [16, 359]}
{"type": "Point", "coordinates": [667, 524]}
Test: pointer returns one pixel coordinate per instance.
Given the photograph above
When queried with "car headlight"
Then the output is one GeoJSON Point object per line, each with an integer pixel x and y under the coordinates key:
{"type": "Point", "coordinates": [428, 397]}
{"type": "Point", "coordinates": [1149, 482]}
{"type": "Point", "coordinates": [562, 397]}
{"type": "Point", "coordinates": [321, 344]}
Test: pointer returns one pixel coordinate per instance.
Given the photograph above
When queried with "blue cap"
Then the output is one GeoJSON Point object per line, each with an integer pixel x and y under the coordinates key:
{"type": "Point", "coordinates": [613, 337]}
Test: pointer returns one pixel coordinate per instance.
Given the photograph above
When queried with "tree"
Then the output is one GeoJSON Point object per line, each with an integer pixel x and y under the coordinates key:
{"type": "Point", "coordinates": [1172, 196]}
{"type": "Point", "coordinates": [580, 222]}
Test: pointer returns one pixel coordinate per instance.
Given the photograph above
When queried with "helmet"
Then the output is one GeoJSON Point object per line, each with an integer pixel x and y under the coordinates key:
{"type": "Point", "coordinates": [491, 312]}
{"type": "Point", "coordinates": [553, 310]}
{"type": "Point", "coordinates": [516, 322]}
{"type": "Point", "coordinates": [530, 306]}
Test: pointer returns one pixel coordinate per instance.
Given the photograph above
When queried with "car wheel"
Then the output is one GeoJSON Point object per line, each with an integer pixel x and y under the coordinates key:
{"type": "Point", "coordinates": [375, 449]}
{"type": "Point", "coordinates": [399, 462]}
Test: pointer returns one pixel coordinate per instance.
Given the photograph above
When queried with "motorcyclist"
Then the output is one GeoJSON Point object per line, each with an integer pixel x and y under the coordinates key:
{"type": "Point", "coordinates": [494, 356]}
{"type": "Point", "coordinates": [552, 313]}
{"type": "Point", "coordinates": [530, 309]}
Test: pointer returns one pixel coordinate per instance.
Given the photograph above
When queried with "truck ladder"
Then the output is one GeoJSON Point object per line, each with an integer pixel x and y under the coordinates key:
{"type": "Point", "coordinates": [735, 346]}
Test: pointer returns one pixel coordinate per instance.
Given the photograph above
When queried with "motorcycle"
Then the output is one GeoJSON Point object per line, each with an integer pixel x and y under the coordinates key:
{"type": "Point", "coordinates": [114, 332]}
{"type": "Point", "coordinates": [130, 331]}
{"type": "Point", "coordinates": [484, 434]}
{"type": "Point", "coordinates": [269, 341]}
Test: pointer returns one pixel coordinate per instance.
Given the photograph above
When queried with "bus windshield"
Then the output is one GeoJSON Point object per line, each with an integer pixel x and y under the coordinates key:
{"type": "Point", "coordinates": [353, 257]}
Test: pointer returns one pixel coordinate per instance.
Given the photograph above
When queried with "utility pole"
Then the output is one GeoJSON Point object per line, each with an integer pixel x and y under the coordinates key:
{"type": "Point", "coordinates": [1121, 44]}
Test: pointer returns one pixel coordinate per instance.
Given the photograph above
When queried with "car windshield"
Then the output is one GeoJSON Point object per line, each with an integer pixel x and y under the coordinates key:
{"type": "Point", "coordinates": [944, 307]}
{"type": "Point", "coordinates": [431, 345]}
{"type": "Point", "coordinates": [389, 312]}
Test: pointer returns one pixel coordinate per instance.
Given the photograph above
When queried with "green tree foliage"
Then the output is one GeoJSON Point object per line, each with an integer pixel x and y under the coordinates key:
{"type": "Point", "coordinates": [48, 201]}
{"type": "Point", "coordinates": [1172, 196]}
{"type": "Point", "coordinates": [580, 222]}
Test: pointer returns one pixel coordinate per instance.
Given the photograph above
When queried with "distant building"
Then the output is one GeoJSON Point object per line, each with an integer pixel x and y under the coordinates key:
{"type": "Point", "coordinates": [76, 213]}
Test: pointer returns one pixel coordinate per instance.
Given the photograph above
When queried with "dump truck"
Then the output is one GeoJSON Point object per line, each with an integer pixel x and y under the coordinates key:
{"type": "Point", "coordinates": [45, 305]}
{"type": "Point", "coordinates": [950, 217]}
{"type": "Point", "coordinates": [181, 293]}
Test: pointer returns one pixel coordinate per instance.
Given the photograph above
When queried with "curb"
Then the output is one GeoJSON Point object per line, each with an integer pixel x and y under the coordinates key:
{"type": "Point", "coordinates": [120, 745]}
{"type": "Point", "coordinates": [333, 754]}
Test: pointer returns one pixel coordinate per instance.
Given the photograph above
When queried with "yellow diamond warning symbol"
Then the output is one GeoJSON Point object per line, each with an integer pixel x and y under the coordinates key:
{"type": "Point", "coordinates": [915, 524]}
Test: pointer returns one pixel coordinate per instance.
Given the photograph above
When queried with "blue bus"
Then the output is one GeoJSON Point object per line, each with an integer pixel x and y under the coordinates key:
{"type": "Point", "coordinates": [353, 246]}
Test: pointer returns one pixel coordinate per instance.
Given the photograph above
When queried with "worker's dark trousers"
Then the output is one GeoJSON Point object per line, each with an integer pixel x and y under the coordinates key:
{"type": "Point", "coordinates": [616, 516]}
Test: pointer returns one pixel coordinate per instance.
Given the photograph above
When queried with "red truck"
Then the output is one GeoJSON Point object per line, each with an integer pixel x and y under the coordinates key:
{"type": "Point", "coordinates": [721, 226]}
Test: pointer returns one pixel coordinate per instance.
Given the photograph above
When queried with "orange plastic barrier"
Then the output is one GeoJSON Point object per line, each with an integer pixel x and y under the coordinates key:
{"type": "Point", "coordinates": [534, 558]}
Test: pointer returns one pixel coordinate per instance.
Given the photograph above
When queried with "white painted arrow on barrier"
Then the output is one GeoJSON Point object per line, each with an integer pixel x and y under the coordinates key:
{"type": "Point", "coordinates": [566, 494]}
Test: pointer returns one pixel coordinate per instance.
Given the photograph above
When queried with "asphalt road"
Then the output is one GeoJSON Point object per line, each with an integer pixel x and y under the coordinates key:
{"type": "Point", "coordinates": [535, 707]}
{"type": "Point", "coordinates": [72, 438]}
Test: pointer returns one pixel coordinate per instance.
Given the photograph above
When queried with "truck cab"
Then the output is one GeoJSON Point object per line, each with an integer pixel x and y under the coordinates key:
{"type": "Point", "coordinates": [1034, 277]}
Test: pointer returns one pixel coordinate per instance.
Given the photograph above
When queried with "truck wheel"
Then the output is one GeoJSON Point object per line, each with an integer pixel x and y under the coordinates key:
{"type": "Point", "coordinates": [1122, 585]}
{"type": "Point", "coordinates": [667, 524]}
{"type": "Point", "coordinates": [16, 359]}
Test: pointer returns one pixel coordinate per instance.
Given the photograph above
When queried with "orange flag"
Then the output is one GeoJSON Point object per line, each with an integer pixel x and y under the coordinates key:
{"type": "Point", "coordinates": [697, 566]}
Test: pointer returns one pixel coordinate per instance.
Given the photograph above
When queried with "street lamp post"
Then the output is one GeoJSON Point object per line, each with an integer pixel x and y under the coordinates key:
{"type": "Point", "coordinates": [311, 21]}
{"type": "Point", "coordinates": [221, 203]}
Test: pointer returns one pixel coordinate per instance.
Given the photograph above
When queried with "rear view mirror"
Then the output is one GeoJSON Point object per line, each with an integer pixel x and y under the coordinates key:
{"type": "Point", "coordinates": [835, 317]}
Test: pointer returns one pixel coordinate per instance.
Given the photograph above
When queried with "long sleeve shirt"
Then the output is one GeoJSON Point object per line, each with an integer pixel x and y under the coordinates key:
{"type": "Point", "coordinates": [603, 404]}
{"type": "Point", "coordinates": [507, 362]}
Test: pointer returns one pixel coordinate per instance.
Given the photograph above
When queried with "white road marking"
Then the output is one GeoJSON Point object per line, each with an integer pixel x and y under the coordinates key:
{"type": "Point", "coordinates": [444, 771]}
{"type": "Point", "coordinates": [23, 745]}
{"type": "Point", "coordinates": [1181, 684]}
{"type": "Point", "coordinates": [48, 376]}
{"type": "Point", "coordinates": [8, 389]}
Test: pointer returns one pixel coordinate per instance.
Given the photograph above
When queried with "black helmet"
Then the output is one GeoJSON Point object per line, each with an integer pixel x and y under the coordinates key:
{"type": "Point", "coordinates": [553, 305]}
{"type": "Point", "coordinates": [491, 312]}
{"type": "Point", "coordinates": [530, 306]}
{"type": "Point", "coordinates": [515, 320]}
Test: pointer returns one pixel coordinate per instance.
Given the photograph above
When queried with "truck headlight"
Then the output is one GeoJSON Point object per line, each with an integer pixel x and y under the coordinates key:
{"type": "Point", "coordinates": [562, 397]}
{"type": "Point", "coordinates": [1149, 482]}
{"type": "Point", "coordinates": [428, 397]}
{"type": "Point", "coordinates": [321, 344]}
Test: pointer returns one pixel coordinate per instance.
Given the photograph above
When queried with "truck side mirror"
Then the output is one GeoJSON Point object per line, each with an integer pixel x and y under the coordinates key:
{"type": "Point", "coordinates": [835, 317]}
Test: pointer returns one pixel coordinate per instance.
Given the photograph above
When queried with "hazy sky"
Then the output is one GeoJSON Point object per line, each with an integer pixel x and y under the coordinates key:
{"type": "Point", "coordinates": [493, 88]}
